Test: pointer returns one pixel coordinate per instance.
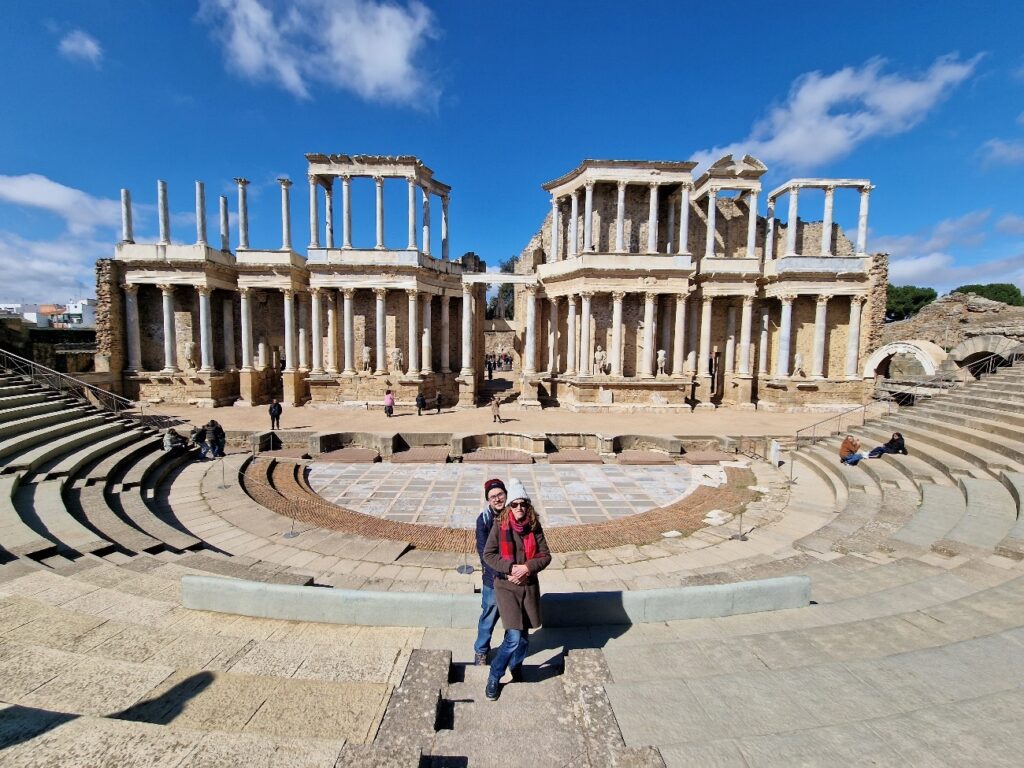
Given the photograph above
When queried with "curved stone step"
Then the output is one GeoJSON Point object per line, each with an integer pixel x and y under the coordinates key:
{"type": "Point", "coordinates": [39, 421]}
{"type": "Point", "coordinates": [41, 507]}
{"type": "Point", "coordinates": [988, 518]}
{"type": "Point", "coordinates": [941, 509]}
{"type": "Point", "coordinates": [8, 402]}
{"type": "Point", "coordinates": [41, 406]}
{"type": "Point", "coordinates": [69, 464]}
{"type": "Point", "coordinates": [117, 462]}
{"type": "Point", "coordinates": [912, 466]}
{"type": "Point", "coordinates": [91, 430]}
{"type": "Point", "coordinates": [946, 455]}
{"type": "Point", "coordinates": [984, 449]}
{"type": "Point", "coordinates": [91, 505]}
{"type": "Point", "coordinates": [16, 537]}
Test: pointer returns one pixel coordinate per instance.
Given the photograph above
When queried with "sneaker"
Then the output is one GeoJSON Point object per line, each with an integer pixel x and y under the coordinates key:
{"type": "Point", "coordinates": [491, 691]}
{"type": "Point", "coordinates": [480, 659]}
{"type": "Point", "coordinates": [517, 674]}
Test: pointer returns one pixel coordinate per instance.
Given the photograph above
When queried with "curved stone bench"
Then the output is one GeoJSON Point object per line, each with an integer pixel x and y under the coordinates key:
{"type": "Point", "coordinates": [409, 609]}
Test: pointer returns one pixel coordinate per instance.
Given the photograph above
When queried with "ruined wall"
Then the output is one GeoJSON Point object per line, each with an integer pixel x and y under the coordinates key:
{"type": "Point", "coordinates": [951, 319]}
{"type": "Point", "coordinates": [110, 333]}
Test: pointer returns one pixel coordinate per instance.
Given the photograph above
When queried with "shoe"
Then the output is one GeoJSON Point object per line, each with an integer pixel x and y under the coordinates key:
{"type": "Point", "coordinates": [480, 659]}
{"type": "Point", "coordinates": [491, 691]}
{"type": "Point", "coordinates": [517, 673]}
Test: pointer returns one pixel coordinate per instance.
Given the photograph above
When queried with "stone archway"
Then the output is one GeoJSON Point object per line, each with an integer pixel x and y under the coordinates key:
{"type": "Point", "coordinates": [929, 355]}
{"type": "Point", "coordinates": [992, 344]}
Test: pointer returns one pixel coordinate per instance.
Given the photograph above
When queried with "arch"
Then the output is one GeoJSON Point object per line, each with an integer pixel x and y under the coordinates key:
{"type": "Point", "coordinates": [992, 344]}
{"type": "Point", "coordinates": [925, 352]}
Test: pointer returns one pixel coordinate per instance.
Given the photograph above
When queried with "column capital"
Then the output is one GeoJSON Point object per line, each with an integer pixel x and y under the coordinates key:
{"type": "Point", "coordinates": [245, 290]}
{"type": "Point", "coordinates": [554, 299]}
{"type": "Point", "coordinates": [345, 177]}
{"type": "Point", "coordinates": [313, 178]}
{"type": "Point", "coordinates": [651, 296]}
{"type": "Point", "coordinates": [378, 180]}
{"type": "Point", "coordinates": [860, 298]}
{"type": "Point", "coordinates": [713, 193]}
{"type": "Point", "coordinates": [288, 292]}
{"type": "Point", "coordinates": [788, 298]}
{"type": "Point", "coordinates": [380, 293]}
{"type": "Point", "coordinates": [795, 187]}
{"type": "Point", "coordinates": [467, 289]}
{"type": "Point", "coordinates": [707, 299]}
{"type": "Point", "coordinates": [445, 198]}
{"type": "Point", "coordinates": [686, 185]}
{"type": "Point", "coordinates": [748, 301]}
{"type": "Point", "coordinates": [315, 290]}
{"type": "Point", "coordinates": [241, 182]}
{"type": "Point", "coordinates": [618, 295]}
{"type": "Point", "coordinates": [653, 184]}
{"type": "Point", "coordinates": [130, 288]}
{"type": "Point", "coordinates": [824, 297]}
{"type": "Point", "coordinates": [531, 288]}
{"type": "Point", "coordinates": [622, 185]}
{"type": "Point", "coordinates": [830, 188]}
{"type": "Point", "coordinates": [590, 184]}
{"type": "Point", "coordinates": [203, 290]}
{"type": "Point", "coordinates": [412, 293]}
{"type": "Point", "coordinates": [866, 189]}
{"type": "Point", "coordinates": [284, 182]}
{"type": "Point", "coordinates": [570, 299]}
{"type": "Point", "coordinates": [167, 288]}
{"type": "Point", "coordinates": [348, 293]}
{"type": "Point", "coordinates": [586, 294]}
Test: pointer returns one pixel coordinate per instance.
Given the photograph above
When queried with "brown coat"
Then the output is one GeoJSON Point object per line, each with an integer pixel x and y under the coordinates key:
{"type": "Point", "coordinates": [849, 447]}
{"type": "Point", "coordinates": [518, 604]}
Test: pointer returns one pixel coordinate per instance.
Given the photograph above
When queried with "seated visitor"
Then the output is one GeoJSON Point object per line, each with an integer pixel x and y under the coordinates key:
{"type": "Point", "coordinates": [849, 451]}
{"type": "Point", "coordinates": [895, 444]}
{"type": "Point", "coordinates": [172, 440]}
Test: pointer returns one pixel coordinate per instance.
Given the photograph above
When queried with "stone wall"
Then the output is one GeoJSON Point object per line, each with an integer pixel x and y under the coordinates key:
{"type": "Point", "coordinates": [110, 328]}
{"type": "Point", "coordinates": [951, 319]}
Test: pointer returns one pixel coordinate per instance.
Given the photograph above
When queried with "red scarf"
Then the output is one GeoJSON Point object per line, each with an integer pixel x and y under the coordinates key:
{"type": "Point", "coordinates": [507, 543]}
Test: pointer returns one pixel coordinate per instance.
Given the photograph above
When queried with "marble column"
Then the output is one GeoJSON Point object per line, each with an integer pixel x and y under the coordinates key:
{"type": "Point", "coordinates": [573, 226]}
{"type": "Point", "coordinates": [571, 356]}
{"type": "Point", "coordinates": [127, 230]}
{"type": "Point", "coordinates": [467, 330]}
{"type": "Point", "coordinates": [301, 301]}
{"type": "Point", "coordinates": [762, 347]}
{"type": "Point", "coordinates": [553, 335]}
{"type": "Point", "coordinates": [245, 305]}
{"type": "Point", "coordinates": [329, 211]}
{"type": "Point", "coordinates": [615, 353]}
{"type": "Point", "coordinates": [679, 337]}
{"type": "Point", "coordinates": [426, 221]}
{"type": "Point", "coordinates": [588, 217]}
{"type": "Point", "coordinates": [379, 182]}
{"type": "Point", "coordinates": [382, 350]}
{"type": "Point", "coordinates": [413, 362]}
{"type": "Point", "coordinates": [769, 237]}
{"type": "Point", "coordinates": [530, 342]}
{"type": "Point", "coordinates": [314, 204]}
{"type": "Point", "coordinates": [200, 213]}
{"type": "Point", "coordinates": [647, 360]}
{"type": "Point", "coordinates": [820, 328]}
{"type": "Point", "coordinates": [684, 219]}
{"type": "Point", "coordinates": [131, 312]}
{"type": "Point", "coordinates": [785, 332]}
{"type": "Point", "coordinates": [692, 330]}
{"type": "Point", "coordinates": [243, 214]}
{"type": "Point", "coordinates": [426, 347]}
{"type": "Point", "coordinates": [262, 354]}
{"type": "Point", "coordinates": [751, 223]}
{"type": "Point", "coordinates": [205, 330]}
{"type": "Point", "coordinates": [862, 220]}
{"type": "Point", "coordinates": [286, 215]}
{"type": "Point", "coordinates": [652, 218]}
{"type": "Point", "coordinates": [346, 211]}
{"type": "Point", "coordinates": [704, 359]}
{"type": "Point", "coordinates": [446, 334]}
{"type": "Point", "coordinates": [709, 243]}
{"type": "Point", "coordinates": [662, 313]}
{"type": "Point", "coordinates": [332, 331]}
{"type": "Point", "coordinates": [349, 330]}
{"type": "Point", "coordinates": [791, 223]}
{"type": "Point", "coordinates": [553, 251]}
{"type": "Point", "coordinates": [170, 345]}
{"type": "Point", "coordinates": [670, 236]}
{"type": "Point", "coordinates": [225, 236]}
{"type": "Point", "coordinates": [444, 227]}
{"type": "Point", "coordinates": [853, 338]}
{"type": "Point", "coordinates": [164, 213]}
{"type": "Point", "coordinates": [826, 222]}
{"type": "Point", "coordinates": [746, 318]}
{"type": "Point", "coordinates": [730, 339]}
{"type": "Point", "coordinates": [586, 359]}
{"type": "Point", "coordinates": [318, 335]}
{"type": "Point", "coordinates": [620, 219]}
{"type": "Point", "coordinates": [228, 323]}
{"type": "Point", "coordinates": [412, 214]}
{"type": "Point", "coordinates": [289, 330]}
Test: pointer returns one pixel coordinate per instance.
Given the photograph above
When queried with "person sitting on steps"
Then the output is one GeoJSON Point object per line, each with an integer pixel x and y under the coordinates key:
{"type": "Point", "coordinates": [849, 451]}
{"type": "Point", "coordinates": [895, 444]}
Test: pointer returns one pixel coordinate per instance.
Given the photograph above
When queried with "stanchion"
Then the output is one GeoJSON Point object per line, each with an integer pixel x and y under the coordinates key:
{"type": "Point", "coordinates": [740, 536]}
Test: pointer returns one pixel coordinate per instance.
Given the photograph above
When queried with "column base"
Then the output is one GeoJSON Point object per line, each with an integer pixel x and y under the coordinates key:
{"type": "Point", "coordinates": [704, 407]}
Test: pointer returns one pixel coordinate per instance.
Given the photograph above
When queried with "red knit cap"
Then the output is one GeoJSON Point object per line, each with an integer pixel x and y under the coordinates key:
{"type": "Point", "coordinates": [490, 485]}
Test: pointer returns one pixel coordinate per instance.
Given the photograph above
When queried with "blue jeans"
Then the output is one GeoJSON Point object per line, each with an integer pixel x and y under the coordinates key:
{"type": "Point", "coordinates": [511, 653]}
{"type": "Point", "coordinates": [852, 459]}
{"type": "Point", "coordinates": [488, 620]}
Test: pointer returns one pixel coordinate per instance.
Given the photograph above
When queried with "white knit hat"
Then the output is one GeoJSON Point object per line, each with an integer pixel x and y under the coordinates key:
{"type": "Point", "coordinates": [516, 490]}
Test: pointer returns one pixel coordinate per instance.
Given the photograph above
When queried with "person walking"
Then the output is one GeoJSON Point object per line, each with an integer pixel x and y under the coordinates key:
{"type": "Point", "coordinates": [389, 404]}
{"type": "Point", "coordinates": [494, 495]}
{"type": "Point", "coordinates": [421, 403]}
{"type": "Point", "coordinates": [517, 550]}
{"type": "Point", "coordinates": [496, 411]}
{"type": "Point", "coordinates": [275, 414]}
{"type": "Point", "coordinates": [437, 402]}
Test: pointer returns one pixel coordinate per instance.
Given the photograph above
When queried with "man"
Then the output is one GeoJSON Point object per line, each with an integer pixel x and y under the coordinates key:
{"type": "Point", "coordinates": [275, 414]}
{"type": "Point", "coordinates": [494, 493]}
{"type": "Point", "coordinates": [437, 402]}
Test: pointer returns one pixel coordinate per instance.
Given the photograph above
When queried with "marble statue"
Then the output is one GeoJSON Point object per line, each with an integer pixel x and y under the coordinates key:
{"type": "Point", "coordinates": [366, 358]}
{"type": "Point", "coordinates": [662, 356]}
{"type": "Point", "coordinates": [190, 355]}
{"type": "Point", "coordinates": [396, 360]}
{"type": "Point", "coordinates": [600, 356]}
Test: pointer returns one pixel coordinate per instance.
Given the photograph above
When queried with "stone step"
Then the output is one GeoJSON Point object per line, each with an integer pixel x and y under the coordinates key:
{"type": "Point", "coordinates": [988, 518]}
{"type": "Point", "coordinates": [16, 537]}
{"type": "Point", "coordinates": [994, 425]}
{"type": "Point", "coordinates": [91, 505]}
{"type": "Point", "coordinates": [41, 507]}
{"type": "Point", "coordinates": [912, 466]}
{"type": "Point", "coordinates": [36, 422]}
{"type": "Point", "coordinates": [1001, 415]}
{"type": "Point", "coordinates": [941, 509]}
{"type": "Point", "coordinates": [943, 452]}
{"type": "Point", "coordinates": [117, 462]}
{"type": "Point", "coordinates": [8, 402]}
{"type": "Point", "coordinates": [988, 450]}
{"type": "Point", "coordinates": [40, 406]}
{"type": "Point", "coordinates": [57, 445]}
{"type": "Point", "coordinates": [70, 464]}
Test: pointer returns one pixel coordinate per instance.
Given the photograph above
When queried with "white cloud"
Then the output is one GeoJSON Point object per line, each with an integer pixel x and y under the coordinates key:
{"type": "Point", "coordinates": [1020, 119]}
{"type": "Point", "coordinates": [1011, 224]}
{"type": "Point", "coordinates": [825, 117]}
{"type": "Point", "coordinates": [53, 270]}
{"type": "Point", "coordinates": [1000, 152]}
{"type": "Point", "coordinates": [965, 231]}
{"type": "Point", "coordinates": [368, 47]}
{"type": "Point", "coordinates": [942, 272]}
{"type": "Point", "coordinates": [82, 213]}
{"type": "Point", "coordinates": [78, 45]}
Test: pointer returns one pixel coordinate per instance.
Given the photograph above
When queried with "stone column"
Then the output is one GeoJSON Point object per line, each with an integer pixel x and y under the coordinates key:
{"type": "Point", "coordinates": [586, 361]}
{"type": "Point", "coordinates": [785, 331]}
{"type": "Point", "coordinates": [467, 330]}
{"type": "Point", "coordinates": [349, 330]}
{"type": "Point", "coordinates": [262, 354]}
{"type": "Point", "coordinates": [382, 350]}
{"type": "Point", "coordinates": [164, 212]}
{"type": "Point", "coordinates": [826, 223]}
{"type": "Point", "coordinates": [332, 331]}
{"type": "Point", "coordinates": [703, 367]}
{"type": "Point", "coordinates": [769, 237]}
{"type": "Point", "coordinates": [346, 211]}
{"type": "Point", "coordinates": [571, 356]}
{"type": "Point", "coordinates": [745, 321]}
{"type": "Point", "coordinates": [853, 338]}
{"type": "Point", "coordinates": [752, 224]}
{"type": "Point", "coordinates": [286, 214]}
{"type": "Point", "coordinates": [228, 320]}
{"type": "Point", "coordinates": [530, 342]}
{"type": "Point", "coordinates": [329, 211]}
{"type": "Point", "coordinates": [862, 220]}
{"type": "Point", "coordinates": [670, 236]}
{"type": "Point", "coordinates": [553, 335]}
{"type": "Point", "coordinates": [318, 335]}
{"type": "Point", "coordinates": [679, 337]}
{"type": "Point", "coordinates": [446, 334]}
{"type": "Point", "coordinates": [709, 245]}
{"type": "Point", "coordinates": [414, 332]}
{"type": "Point", "coordinates": [225, 237]}
{"type": "Point", "coordinates": [684, 219]}
{"type": "Point", "coordinates": [791, 224]}
{"type": "Point", "coordinates": [554, 229]}
{"type": "Point", "coordinates": [289, 330]}
{"type": "Point", "coordinates": [127, 233]}
{"type": "Point", "coordinates": [243, 214]}
{"type": "Point", "coordinates": [444, 227]}
{"type": "Point", "coordinates": [762, 348]}
{"type": "Point", "coordinates": [588, 215]}
{"type": "Point", "coordinates": [205, 330]}
{"type": "Point", "coordinates": [652, 219]}
{"type": "Point", "coordinates": [615, 353]}
{"type": "Point", "coordinates": [131, 312]}
{"type": "Point", "coordinates": [301, 300]}
{"type": "Point", "coordinates": [412, 214]}
{"type": "Point", "coordinates": [314, 223]}
{"type": "Point", "coordinates": [730, 339]}
{"type": "Point", "coordinates": [662, 310]}
{"type": "Point", "coordinates": [200, 213]}
{"type": "Point", "coordinates": [170, 347]}
{"type": "Point", "coordinates": [379, 182]}
{"type": "Point", "coordinates": [620, 220]}
{"type": "Point", "coordinates": [573, 227]}
{"type": "Point", "coordinates": [692, 329]}
{"type": "Point", "coordinates": [820, 317]}
{"type": "Point", "coordinates": [426, 221]}
{"type": "Point", "coordinates": [427, 350]}
{"type": "Point", "coordinates": [246, 315]}
{"type": "Point", "coordinates": [647, 361]}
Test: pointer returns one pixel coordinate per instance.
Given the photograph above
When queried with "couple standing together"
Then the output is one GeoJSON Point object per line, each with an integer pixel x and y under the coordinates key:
{"type": "Point", "coordinates": [513, 550]}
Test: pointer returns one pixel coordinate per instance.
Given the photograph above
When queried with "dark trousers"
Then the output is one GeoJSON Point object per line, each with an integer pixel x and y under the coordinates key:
{"type": "Point", "coordinates": [275, 422]}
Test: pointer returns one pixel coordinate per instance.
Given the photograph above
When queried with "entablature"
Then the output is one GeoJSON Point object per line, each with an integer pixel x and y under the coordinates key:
{"type": "Point", "coordinates": [614, 171]}
{"type": "Point", "coordinates": [596, 264]}
{"type": "Point", "coordinates": [387, 166]}
{"type": "Point", "coordinates": [170, 253]}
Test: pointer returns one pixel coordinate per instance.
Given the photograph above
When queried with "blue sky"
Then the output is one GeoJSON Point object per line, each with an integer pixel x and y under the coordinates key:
{"type": "Point", "coordinates": [926, 100]}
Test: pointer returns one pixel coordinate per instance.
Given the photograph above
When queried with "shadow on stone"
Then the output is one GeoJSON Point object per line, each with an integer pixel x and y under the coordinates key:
{"type": "Point", "coordinates": [164, 708]}
{"type": "Point", "coordinates": [19, 724]}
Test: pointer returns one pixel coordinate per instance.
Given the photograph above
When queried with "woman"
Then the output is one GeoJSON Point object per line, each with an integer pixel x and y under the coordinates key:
{"type": "Point", "coordinates": [517, 551]}
{"type": "Point", "coordinates": [894, 445]}
{"type": "Point", "coordinates": [849, 451]}
{"type": "Point", "coordinates": [389, 403]}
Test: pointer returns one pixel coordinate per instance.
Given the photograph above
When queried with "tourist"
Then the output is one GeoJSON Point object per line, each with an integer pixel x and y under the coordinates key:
{"type": "Point", "coordinates": [490, 369]}
{"type": "Point", "coordinates": [172, 440]}
{"type": "Point", "coordinates": [216, 438]}
{"type": "Point", "coordinates": [421, 403]}
{"type": "Point", "coordinates": [494, 494]}
{"type": "Point", "coordinates": [197, 439]}
{"type": "Point", "coordinates": [496, 411]}
{"type": "Point", "coordinates": [389, 404]}
{"type": "Point", "coordinates": [275, 414]}
{"type": "Point", "coordinates": [517, 551]}
{"type": "Point", "coordinates": [437, 402]}
{"type": "Point", "coordinates": [895, 444]}
{"type": "Point", "coordinates": [849, 451]}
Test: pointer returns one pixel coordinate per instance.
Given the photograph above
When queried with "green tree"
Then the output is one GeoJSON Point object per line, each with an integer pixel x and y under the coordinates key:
{"type": "Point", "coordinates": [903, 301]}
{"type": "Point", "coordinates": [1008, 293]}
{"type": "Point", "coordinates": [505, 295]}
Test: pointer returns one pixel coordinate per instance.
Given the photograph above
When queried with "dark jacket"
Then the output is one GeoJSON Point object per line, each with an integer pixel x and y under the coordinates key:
{"type": "Point", "coordinates": [421, 401]}
{"type": "Point", "coordinates": [518, 604]}
{"type": "Point", "coordinates": [484, 523]}
{"type": "Point", "coordinates": [895, 445]}
{"type": "Point", "coordinates": [274, 409]}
